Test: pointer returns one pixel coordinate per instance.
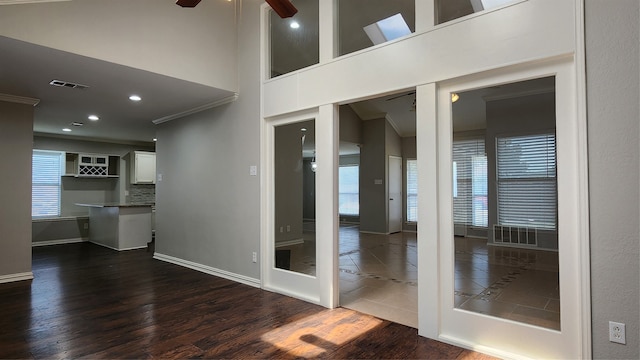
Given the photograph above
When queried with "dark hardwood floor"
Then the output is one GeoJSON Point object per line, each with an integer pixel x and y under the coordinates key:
{"type": "Point", "coordinates": [87, 301]}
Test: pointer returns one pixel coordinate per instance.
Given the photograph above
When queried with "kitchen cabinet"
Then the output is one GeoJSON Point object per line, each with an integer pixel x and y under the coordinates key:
{"type": "Point", "coordinates": [91, 165]}
{"type": "Point", "coordinates": [143, 167]}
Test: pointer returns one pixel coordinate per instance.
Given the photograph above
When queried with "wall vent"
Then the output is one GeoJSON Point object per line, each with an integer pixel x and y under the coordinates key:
{"type": "Point", "coordinates": [515, 235]}
{"type": "Point", "coordinates": [67, 84]}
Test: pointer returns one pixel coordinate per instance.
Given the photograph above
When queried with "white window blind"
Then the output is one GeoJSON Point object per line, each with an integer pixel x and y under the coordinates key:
{"type": "Point", "coordinates": [470, 183]}
{"type": "Point", "coordinates": [527, 187]}
{"type": "Point", "coordinates": [412, 190]}
{"type": "Point", "coordinates": [349, 190]}
{"type": "Point", "coordinates": [45, 179]}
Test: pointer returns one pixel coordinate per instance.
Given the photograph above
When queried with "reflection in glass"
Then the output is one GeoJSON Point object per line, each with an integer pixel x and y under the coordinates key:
{"type": "Point", "coordinates": [295, 40]}
{"type": "Point", "coordinates": [447, 10]}
{"type": "Point", "coordinates": [505, 234]}
{"type": "Point", "coordinates": [295, 243]}
{"type": "Point", "coordinates": [364, 23]}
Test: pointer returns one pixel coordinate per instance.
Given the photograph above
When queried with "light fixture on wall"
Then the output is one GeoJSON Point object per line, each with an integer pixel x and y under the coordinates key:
{"type": "Point", "coordinates": [454, 97]}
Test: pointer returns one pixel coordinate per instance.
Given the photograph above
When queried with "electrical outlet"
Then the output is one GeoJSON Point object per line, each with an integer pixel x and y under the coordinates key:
{"type": "Point", "coordinates": [617, 332]}
{"type": "Point", "coordinates": [288, 228]}
{"type": "Point", "coordinates": [254, 257]}
{"type": "Point", "coordinates": [281, 229]}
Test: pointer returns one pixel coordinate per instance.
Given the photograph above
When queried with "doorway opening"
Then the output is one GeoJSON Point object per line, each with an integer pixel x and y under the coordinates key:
{"type": "Point", "coordinates": [377, 208]}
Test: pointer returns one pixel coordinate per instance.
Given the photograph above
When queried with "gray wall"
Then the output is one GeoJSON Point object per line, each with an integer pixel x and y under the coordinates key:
{"type": "Point", "coordinates": [373, 199]}
{"type": "Point", "coordinates": [379, 141]}
{"type": "Point", "coordinates": [207, 204]}
{"type": "Point", "coordinates": [350, 125]}
{"type": "Point", "coordinates": [288, 178]}
{"type": "Point", "coordinates": [16, 137]}
{"type": "Point", "coordinates": [524, 115]}
{"type": "Point", "coordinates": [45, 232]}
{"type": "Point", "coordinates": [612, 104]}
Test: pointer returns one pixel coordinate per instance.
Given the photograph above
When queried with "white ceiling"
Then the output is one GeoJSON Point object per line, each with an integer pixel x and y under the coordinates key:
{"type": "Point", "coordinates": [26, 70]}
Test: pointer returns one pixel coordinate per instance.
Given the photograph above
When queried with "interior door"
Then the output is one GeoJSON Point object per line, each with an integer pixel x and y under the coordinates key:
{"type": "Point", "coordinates": [481, 327]}
{"type": "Point", "coordinates": [395, 194]}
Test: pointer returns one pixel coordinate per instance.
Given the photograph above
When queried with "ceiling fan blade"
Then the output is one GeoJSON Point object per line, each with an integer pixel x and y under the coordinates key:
{"type": "Point", "coordinates": [188, 3]}
{"type": "Point", "coordinates": [284, 8]}
{"type": "Point", "coordinates": [399, 96]}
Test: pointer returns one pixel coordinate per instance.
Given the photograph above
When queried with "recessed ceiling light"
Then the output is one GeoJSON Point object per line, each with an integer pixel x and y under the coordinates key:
{"type": "Point", "coordinates": [93, 117]}
{"type": "Point", "coordinates": [303, 129]}
{"type": "Point", "coordinates": [154, 139]}
{"type": "Point", "coordinates": [66, 130]}
{"type": "Point", "coordinates": [135, 98]}
{"type": "Point", "coordinates": [294, 25]}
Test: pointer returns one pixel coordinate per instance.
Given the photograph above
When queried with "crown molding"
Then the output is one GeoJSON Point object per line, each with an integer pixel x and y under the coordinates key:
{"type": "Point", "coordinates": [19, 99]}
{"type": "Point", "coordinates": [198, 109]}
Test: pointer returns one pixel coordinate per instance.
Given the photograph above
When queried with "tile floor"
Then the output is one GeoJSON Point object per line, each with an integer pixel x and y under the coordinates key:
{"type": "Point", "coordinates": [379, 275]}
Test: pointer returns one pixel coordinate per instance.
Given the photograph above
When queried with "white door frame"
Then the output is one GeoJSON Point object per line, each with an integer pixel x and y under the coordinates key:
{"type": "Point", "coordinates": [321, 289]}
{"type": "Point", "coordinates": [439, 319]}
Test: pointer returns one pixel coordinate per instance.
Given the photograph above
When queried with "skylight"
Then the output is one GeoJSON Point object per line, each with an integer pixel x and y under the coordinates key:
{"type": "Point", "coordinates": [387, 29]}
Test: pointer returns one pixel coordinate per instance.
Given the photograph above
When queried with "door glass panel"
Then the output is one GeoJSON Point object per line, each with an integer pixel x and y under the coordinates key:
{"type": "Point", "coordinates": [294, 41]}
{"type": "Point", "coordinates": [447, 10]}
{"type": "Point", "coordinates": [295, 240]}
{"type": "Point", "coordinates": [364, 23]}
{"type": "Point", "coordinates": [505, 202]}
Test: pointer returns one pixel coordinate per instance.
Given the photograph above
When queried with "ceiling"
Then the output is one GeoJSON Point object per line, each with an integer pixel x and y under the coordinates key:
{"type": "Point", "coordinates": [27, 69]}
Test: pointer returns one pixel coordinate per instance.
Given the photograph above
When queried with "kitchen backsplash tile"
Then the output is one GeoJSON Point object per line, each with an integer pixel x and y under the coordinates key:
{"type": "Point", "coordinates": [142, 193]}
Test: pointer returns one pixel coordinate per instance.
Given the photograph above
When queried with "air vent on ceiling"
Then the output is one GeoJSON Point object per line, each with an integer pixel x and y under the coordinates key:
{"type": "Point", "coordinates": [75, 123]}
{"type": "Point", "coordinates": [67, 84]}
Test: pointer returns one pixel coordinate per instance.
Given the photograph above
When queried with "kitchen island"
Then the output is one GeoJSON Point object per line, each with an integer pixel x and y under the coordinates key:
{"type": "Point", "coordinates": [120, 226]}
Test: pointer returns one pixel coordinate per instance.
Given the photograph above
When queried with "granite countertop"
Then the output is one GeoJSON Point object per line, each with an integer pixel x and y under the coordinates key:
{"type": "Point", "coordinates": [117, 204]}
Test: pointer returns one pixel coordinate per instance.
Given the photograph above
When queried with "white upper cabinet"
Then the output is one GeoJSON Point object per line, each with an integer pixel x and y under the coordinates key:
{"type": "Point", "coordinates": [143, 167]}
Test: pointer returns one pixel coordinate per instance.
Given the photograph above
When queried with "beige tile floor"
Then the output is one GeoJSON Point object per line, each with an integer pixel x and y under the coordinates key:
{"type": "Point", "coordinates": [379, 275]}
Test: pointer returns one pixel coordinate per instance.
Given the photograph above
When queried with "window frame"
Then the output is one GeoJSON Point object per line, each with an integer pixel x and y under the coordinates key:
{"type": "Point", "coordinates": [522, 179]}
{"type": "Point", "coordinates": [408, 193]}
{"type": "Point", "coordinates": [358, 187]}
{"type": "Point", "coordinates": [57, 182]}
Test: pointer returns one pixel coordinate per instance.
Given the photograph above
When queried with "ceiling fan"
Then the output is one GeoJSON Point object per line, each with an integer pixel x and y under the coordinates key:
{"type": "Point", "coordinates": [284, 8]}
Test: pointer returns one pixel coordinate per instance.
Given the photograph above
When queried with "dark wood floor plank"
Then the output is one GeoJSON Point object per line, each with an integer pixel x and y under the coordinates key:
{"type": "Point", "coordinates": [90, 302]}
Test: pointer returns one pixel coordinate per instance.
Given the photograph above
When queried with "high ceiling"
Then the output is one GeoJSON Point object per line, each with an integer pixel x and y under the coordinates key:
{"type": "Point", "coordinates": [27, 69]}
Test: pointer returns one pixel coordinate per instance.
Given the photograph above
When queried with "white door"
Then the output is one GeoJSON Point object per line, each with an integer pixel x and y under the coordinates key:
{"type": "Point", "coordinates": [502, 334]}
{"type": "Point", "coordinates": [395, 194]}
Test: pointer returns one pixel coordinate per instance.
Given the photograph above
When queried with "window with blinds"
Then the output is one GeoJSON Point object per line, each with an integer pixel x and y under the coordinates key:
{"type": "Point", "coordinates": [46, 171]}
{"type": "Point", "coordinates": [527, 186]}
{"type": "Point", "coordinates": [412, 190]}
{"type": "Point", "coordinates": [348, 190]}
{"type": "Point", "coordinates": [470, 206]}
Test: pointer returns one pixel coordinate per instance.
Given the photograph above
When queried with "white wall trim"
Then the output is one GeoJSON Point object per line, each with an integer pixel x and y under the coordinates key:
{"type": "Point", "coordinates": [583, 176]}
{"type": "Point", "coordinates": [208, 270]}
{"type": "Point", "coordinates": [19, 99]}
{"type": "Point", "coordinates": [16, 277]}
{"type": "Point", "coordinates": [198, 109]}
{"type": "Point", "coordinates": [59, 242]}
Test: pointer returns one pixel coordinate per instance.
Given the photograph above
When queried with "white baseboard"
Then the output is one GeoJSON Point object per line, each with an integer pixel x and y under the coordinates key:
{"type": "Point", "coordinates": [208, 270]}
{"type": "Point", "coordinates": [289, 243]}
{"type": "Point", "coordinates": [373, 232]}
{"type": "Point", "coordinates": [16, 277]}
{"type": "Point", "coordinates": [58, 242]}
